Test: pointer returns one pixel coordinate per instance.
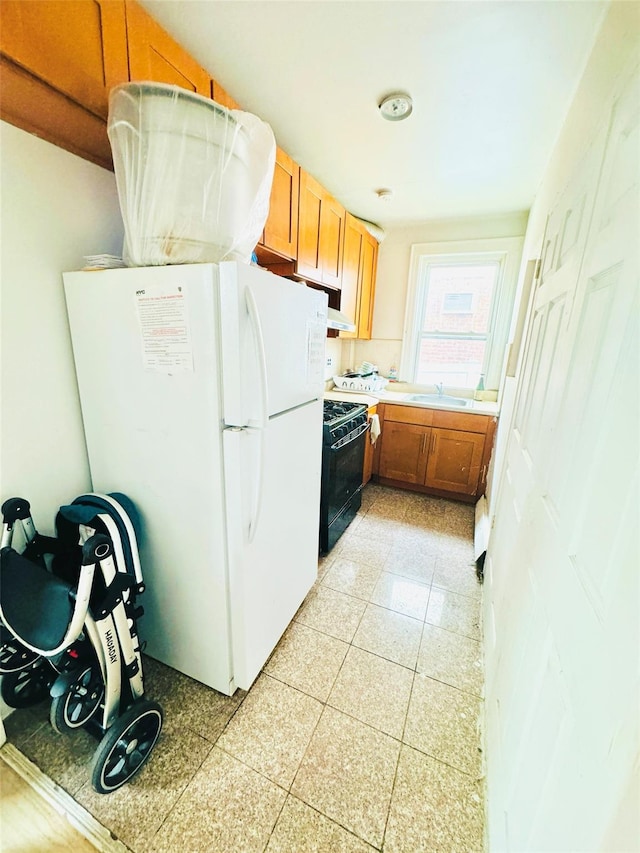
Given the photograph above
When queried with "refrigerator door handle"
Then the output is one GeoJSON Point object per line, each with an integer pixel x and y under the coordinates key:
{"type": "Point", "coordinates": [257, 502]}
{"type": "Point", "coordinates": [254, 317]}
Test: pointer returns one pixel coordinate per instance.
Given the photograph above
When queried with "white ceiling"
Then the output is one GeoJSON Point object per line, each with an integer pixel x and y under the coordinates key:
{"type": "Point", "coordinates": [491, 83]}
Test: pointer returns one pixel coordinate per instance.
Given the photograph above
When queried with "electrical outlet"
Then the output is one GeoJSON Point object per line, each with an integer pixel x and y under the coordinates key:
{"type": "Point", "coordinates": [329, 361]}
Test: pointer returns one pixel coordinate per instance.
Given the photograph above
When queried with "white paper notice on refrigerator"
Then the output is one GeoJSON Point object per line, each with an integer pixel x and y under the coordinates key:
{"type": "Point", "coordinates": [316, 335]}
{"type": "Point", "coordinates": [164, 328]}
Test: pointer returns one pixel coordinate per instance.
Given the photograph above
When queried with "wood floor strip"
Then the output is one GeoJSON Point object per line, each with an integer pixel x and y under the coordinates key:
{"type": "Point", "coordinates": [25, 816]}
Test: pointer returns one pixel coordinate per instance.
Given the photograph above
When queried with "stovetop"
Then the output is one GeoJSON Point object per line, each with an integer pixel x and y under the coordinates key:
{"type": "Point", "coordinates": [340, 418]}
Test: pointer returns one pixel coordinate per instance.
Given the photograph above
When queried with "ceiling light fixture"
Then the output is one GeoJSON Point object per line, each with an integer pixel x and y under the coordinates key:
{"type": "Point", "coordinates": [384, 195]}
{"type": "Point", "coordinates": [396, 107]}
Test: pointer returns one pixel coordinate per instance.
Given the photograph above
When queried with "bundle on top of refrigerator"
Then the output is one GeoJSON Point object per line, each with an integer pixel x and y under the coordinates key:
{"type": "Point", "coordinates": [194, 178]}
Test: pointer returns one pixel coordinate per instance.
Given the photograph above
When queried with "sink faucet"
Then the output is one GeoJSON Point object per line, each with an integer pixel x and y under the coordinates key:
{"type": "Point", "coordinates": [440, 388]}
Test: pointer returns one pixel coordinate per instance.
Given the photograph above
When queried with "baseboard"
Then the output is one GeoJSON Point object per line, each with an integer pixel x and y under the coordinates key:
{"type": "Point", "coordinates": [62, 802]}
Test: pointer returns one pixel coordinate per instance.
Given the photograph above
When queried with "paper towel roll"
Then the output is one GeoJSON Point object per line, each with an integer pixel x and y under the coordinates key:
{"type": "Point", "coordinates": [375, 428]}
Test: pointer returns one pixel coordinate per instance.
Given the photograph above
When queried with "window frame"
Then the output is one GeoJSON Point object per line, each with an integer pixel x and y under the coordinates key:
{"type": "Point", "coordinates": [507, 251]}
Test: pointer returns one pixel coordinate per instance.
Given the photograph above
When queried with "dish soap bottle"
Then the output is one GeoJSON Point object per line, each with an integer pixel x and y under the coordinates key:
{"type": "Point", "coordinates": [478, 394]}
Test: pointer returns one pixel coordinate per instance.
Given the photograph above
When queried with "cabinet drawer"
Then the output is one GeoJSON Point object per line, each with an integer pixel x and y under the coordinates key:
{"type": "Point", "coordinates": [461, 420]}
{"type": "Point", "coordinates": [408, 415]}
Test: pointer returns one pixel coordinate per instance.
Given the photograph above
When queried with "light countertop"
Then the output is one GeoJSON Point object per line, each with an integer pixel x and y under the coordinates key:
{"type": "Point", "coordinates": [400, 398]}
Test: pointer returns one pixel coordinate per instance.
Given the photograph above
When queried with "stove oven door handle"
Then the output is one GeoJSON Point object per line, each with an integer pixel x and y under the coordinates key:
{"type": "Point", "coordinates": [254, 317]}
{"type": "Point", "coordinates": [343, 442]}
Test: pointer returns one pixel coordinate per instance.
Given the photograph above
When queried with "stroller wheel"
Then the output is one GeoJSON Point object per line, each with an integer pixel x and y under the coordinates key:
{"type": "Point", "coordinates": [14, 656]}
{"type": "Point", "coordinates": [80, 702]}
{"type": "Point", "coordinates": [28, 686]}
{"type": "Point", "coordinates": [126, 746]}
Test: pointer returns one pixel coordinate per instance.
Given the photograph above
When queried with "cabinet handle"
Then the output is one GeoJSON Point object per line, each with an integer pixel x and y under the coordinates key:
{"type": "Point", "coordinates": [433, 443]}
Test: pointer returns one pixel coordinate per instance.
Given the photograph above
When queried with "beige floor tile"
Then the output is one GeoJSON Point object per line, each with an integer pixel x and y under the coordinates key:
{"type": "Point", "coordinates": [390, 503]}
{"type": "Point", "coordinates": [457, 547]}
{"type": "Point", "coordinates": [324, 564]}
{"type": "Point", "coordinates": [457, 574]}
{"type": "Point", "coordinates": [272, 729]}
{"type": "Point", "coordinates": [422, 538]}
{"type": "Point", "coordinates": [227, 808]}
{"type": "Point", "coordinates": [433, 808]}
{"type": "Point", "coordinates": [442, 721]}
{"type": "Point", "coordinates": [451, 658]}
{"type": "Point", "coordinates": [365, 550]}
{"type": "Point", "coordinates": [390, 635]}
{"type": "Point", "coordinates": [136, 811]}
{"type": "Point", "coordinates": [301, 829]}
{"type": "Point", "coordinates": [188, 703]}
{"type": "Point", "coordinates": [64, 758]}
{"type": "Point", "coordinates": [454, 612]}
{"type": "Point", "coordinates": [333, 613]}
{"type": "Point", "coordinates": [374, 691]}
{"type": "Point", "coordinates": [401, 594]}
{"type": "Point", "coordinates": [411, 561]}
{"type": "Point", "coordinates": [307, 660]}
{"type": "Point", "coordinates": [377, 528]}
{"type": "Point", "coordinates": [347, 774]}
{"type": "Point", "coordinates": [24, 722]}
{"type": "Point", "coordinates": [357, 579]}
{"type": "Point", "coordinates": [421, 509]}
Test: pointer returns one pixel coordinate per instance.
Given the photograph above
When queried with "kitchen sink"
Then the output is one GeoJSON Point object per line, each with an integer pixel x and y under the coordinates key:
{"type": "Point", "coordinates": [438, 400]}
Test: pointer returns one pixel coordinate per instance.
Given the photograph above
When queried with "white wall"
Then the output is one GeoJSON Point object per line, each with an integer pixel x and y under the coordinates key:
{"type": "Point", "coordinates": [394, 255]}
{"type": "Point", "coordinates": [56, 208]}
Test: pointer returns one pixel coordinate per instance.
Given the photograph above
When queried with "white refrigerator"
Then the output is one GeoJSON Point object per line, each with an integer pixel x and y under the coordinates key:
{"type": "Point", "coordinates": [201, 392]}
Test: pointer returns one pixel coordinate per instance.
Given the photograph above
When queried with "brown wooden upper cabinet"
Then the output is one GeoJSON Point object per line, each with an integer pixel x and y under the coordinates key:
{"type": "Point", "coordinates": [154, 55]}
{"type": "Point", "coordinates": [320, 234]}
{"type": "Point", "coordinates": [222, 97]}
{"type": "Point", "coordinates": [59, 59]}
{"type": "Point", "coordinates": [359, 266]}
{"type": "Point", "coordinates": [280, 233]}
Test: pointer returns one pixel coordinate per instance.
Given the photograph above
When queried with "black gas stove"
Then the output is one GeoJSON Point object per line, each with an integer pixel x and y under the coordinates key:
{"type": "Point", "coordinates": [344, 434]}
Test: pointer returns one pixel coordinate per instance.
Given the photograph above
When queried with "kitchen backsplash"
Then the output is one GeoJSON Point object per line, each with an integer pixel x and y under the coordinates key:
{"type": "Point", "coordinates": [384, 353]}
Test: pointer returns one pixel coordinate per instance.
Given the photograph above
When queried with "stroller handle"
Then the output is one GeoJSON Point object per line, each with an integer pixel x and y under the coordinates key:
{"type": "Point", "coordinates": [14, 509]}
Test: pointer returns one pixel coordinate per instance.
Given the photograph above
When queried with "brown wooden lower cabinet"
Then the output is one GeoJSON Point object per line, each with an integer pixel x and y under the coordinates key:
{"type": "Point", "coordinates": [421, 449]}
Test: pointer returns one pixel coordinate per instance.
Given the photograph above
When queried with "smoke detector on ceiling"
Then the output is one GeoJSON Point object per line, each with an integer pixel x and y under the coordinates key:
{"type": "Point", "coordinates": [396, 107]}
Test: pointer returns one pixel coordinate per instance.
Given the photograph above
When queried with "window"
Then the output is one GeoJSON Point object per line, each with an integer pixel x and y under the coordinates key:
{"type": "Point", "coordinates": [458, 313]}
{"type": "Point", "coordinates": [457, 303]}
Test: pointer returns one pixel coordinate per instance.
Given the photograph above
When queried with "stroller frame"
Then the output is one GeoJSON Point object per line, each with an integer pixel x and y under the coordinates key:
{"type": "Point", "coordinates": [100, 611]}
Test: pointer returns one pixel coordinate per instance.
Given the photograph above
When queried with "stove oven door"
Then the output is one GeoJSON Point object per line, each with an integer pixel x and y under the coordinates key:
{"type": "Point", "coordinates": [342, 467]}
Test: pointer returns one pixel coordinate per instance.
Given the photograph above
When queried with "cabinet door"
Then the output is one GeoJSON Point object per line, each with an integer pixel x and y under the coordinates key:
{"type": "Point", "coordinates": [331, 241]}
{"type": "Point", "coordinates": [79, 47]}
{"type": "Point", "coordinates": [352, 267]}
{"type": "Point", "coordinates": [281, 228]}
{"type": "Point", "coordinates": [455, 459]}
{"type": "Point", "coordinates": [403, 455]}
{"type": "Point", "coordinates": [154, 55]}
{"type": "Point", "coordinates": [367, 286]}
{"type": "Point", "coordinates": [309, 262]}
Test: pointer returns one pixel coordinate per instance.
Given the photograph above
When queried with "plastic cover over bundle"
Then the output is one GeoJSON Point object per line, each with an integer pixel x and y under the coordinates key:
{"type": "Point", "coordinates": [193, 178]}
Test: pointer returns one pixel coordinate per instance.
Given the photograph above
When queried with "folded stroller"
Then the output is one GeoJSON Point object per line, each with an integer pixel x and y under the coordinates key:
{"type": "Point", "coordinates": [68, 612]}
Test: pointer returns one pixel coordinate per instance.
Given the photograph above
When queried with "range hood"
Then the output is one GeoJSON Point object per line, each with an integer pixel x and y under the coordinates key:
{"type": "Point", "coordinates": [337, 320]}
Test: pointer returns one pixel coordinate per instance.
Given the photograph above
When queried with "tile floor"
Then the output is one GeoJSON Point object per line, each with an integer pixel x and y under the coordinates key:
{"type": "Point", "coordinates": [362, 733]}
